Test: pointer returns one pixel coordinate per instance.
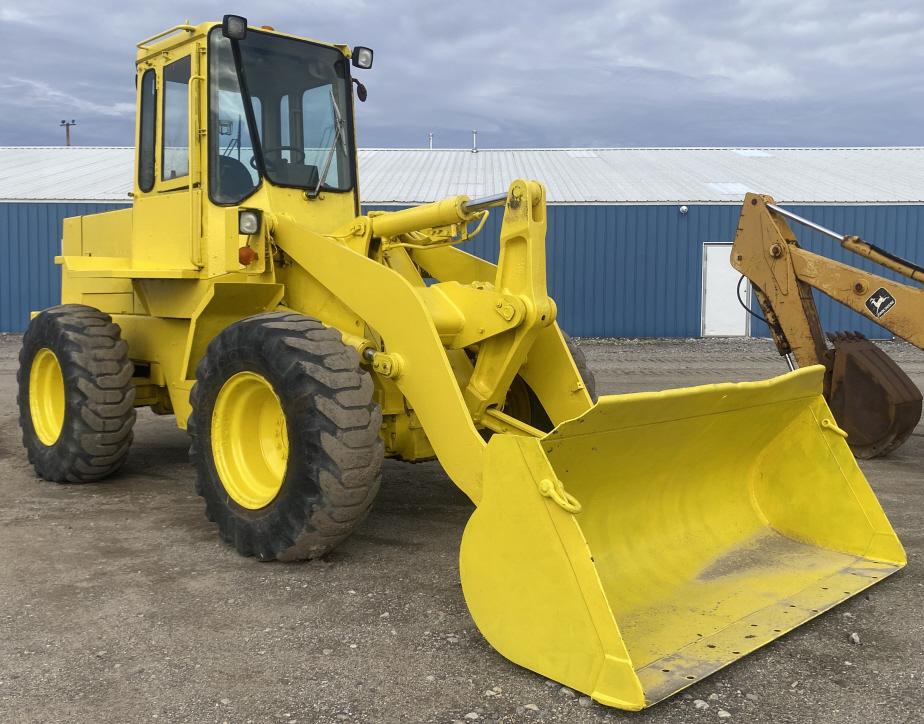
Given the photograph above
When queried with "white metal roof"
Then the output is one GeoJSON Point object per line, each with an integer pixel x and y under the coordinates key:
{"type": "Point", "coordinates": [74, 173]}
{"type": "Point", "coordinates": [572, 175]}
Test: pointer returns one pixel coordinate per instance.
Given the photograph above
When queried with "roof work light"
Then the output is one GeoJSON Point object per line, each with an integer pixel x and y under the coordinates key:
{"type": "Point", "coordinates": [234, 27]}
{"type": "Point", "coordinates": [362, 57]}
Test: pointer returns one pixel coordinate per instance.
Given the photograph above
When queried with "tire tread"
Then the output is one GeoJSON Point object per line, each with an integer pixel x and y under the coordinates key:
{"type": "Point", "coordinates": [341, 446]}
{"type": "Point", "coordinates": [100, 413]}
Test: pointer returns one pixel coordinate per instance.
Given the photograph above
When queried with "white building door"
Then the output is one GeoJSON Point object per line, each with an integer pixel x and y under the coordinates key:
{"type": "Point", "coordinates": [723, 316]}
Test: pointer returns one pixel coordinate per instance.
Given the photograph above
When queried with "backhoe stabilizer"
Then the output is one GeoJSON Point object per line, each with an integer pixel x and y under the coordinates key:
{"type": "Point", "coordinates": [660, 536]}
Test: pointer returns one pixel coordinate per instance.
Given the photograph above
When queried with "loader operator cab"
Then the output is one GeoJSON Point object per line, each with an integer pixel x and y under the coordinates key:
{"type": "Point", "coordinates": [280, 111]}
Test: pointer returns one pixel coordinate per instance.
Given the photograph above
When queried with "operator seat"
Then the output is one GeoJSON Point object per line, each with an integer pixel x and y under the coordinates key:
{"type": "Point", "coordinates": [233, 181]}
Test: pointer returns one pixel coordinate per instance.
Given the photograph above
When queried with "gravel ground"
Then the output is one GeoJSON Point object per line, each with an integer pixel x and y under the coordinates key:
{"type": "Point", "coordinates": [118, 602]}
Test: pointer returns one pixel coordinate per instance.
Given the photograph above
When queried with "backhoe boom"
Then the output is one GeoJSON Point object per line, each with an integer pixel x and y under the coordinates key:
{"type": "Point", "coordinates": [872, 398]}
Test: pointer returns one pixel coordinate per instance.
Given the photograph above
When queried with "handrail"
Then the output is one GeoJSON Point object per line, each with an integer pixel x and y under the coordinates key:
{"type": "Point", "coordinates": [185, 27]}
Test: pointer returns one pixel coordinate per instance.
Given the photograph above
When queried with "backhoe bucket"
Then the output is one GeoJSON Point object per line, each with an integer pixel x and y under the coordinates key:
{"type": "Point", "coordinates": [871, 397]}
{"type": "Point", "coordinates": [657, 538]}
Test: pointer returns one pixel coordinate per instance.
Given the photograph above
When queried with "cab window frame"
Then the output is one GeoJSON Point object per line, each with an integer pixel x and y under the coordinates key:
{"type": "Point", "coordinates": [211, 57]}
{"type": "Point", "coordinates": [147, 132]}
{"type": "Point", "coordinates": [349, 119]}
{"type": "Point", "coordinates": [170, 183]}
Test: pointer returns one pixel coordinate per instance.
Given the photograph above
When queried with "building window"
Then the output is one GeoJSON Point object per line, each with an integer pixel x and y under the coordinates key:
{"type": "Point", "coordinates": [147, 124]}
{"type": "Point", "coordinates": [175, 159]}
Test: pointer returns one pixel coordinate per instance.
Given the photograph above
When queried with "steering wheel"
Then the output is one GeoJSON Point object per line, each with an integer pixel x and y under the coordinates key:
{"type": "Point", "coordinates": [298, 155]}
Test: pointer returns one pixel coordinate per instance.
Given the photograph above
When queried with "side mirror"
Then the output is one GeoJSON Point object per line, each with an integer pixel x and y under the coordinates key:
{"type": "Point", "coordinates": [360, 90]}
{"type": "Point", "coordinates": [234, 27]}
{"type": "Point", "coordinates": [362, 57]}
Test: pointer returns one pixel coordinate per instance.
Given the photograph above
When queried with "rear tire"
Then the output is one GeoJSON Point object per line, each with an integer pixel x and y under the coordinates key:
{"type": "Point", "coordinates": [300, 465]}
{"type": "Point", "coordinates": [76, 398]}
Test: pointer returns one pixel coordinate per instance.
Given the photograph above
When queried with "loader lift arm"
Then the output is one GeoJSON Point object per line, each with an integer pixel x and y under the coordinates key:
{"type": "Point", "coordinates": [421, 325]}
{"type": "Point", "coordinates": [872, 398]}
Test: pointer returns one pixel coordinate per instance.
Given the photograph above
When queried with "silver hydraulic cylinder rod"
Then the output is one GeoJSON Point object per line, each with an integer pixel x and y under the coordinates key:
{"type": "Point", "coordinates": [805, 222]}
{"type": "Point", "coordinates": [485, 202]}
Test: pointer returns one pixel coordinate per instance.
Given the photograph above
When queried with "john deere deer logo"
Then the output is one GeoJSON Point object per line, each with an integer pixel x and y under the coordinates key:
{"type": "Point", "coordinates": [880, 302]}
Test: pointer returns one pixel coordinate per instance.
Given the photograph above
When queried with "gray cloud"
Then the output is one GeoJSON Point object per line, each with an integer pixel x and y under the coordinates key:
{"type": "Point", "coordinates": [632, 72]}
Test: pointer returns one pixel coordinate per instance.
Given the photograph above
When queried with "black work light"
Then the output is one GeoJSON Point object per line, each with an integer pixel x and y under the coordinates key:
{"type": "Point", "coordinates": [234, 27]}
{"type": "Point", "coordinates": [362, 57]}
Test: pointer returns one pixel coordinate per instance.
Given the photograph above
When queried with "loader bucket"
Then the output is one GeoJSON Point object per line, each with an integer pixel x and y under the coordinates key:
{"type": "Point", "coordinates": [657, 538]}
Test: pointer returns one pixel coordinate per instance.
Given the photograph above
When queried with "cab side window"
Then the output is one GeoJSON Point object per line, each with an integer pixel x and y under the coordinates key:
{"type": "Point", "coordinates": [147, 124]}
{"type": "Point", "coordinates": [175, 157]}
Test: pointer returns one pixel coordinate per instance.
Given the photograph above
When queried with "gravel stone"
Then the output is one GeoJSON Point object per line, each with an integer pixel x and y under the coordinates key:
{"type": "Point", "coordinates": [138, 550]}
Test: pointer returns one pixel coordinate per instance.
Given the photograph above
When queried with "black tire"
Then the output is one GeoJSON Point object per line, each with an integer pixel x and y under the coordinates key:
{"type": "Point", "coordinates": [98, 394]}
{"type": "Point", "coordinates": [335, 454]}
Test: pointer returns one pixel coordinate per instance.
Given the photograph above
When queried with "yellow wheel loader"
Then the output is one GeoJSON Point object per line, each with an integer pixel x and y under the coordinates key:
{"type": "Point", "coordinates": [626, 547]}
{"type": "Point", "coordinates": [873, 400]}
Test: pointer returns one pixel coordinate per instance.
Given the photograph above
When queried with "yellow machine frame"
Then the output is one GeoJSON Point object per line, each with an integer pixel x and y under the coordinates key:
{"type": "Point", "coordinates": [168, 271]}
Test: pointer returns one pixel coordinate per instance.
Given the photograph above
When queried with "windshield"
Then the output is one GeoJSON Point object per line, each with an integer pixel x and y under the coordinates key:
{"type": "Point", "coordinates": [300, 132]}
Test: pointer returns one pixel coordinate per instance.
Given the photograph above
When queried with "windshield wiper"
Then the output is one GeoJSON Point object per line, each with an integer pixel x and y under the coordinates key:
{"type": "Point", "coordinates": [339, 137]}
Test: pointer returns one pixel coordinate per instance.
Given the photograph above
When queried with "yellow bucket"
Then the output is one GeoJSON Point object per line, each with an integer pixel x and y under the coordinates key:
{"type": "Point", "coordinates": [660, 536]}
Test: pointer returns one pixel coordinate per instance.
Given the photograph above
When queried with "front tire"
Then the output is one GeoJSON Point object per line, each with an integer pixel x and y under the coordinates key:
{"type": "Point", "coordinates": [285, 437]}
{"type": "Point", "coordinates": [76, 398]}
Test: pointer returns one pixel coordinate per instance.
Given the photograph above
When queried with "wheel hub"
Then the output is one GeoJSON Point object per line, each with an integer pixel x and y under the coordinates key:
{"type": "Point", "coordinates": [46, 396]}
{"type": "Point", "coordinates": [250, 444]}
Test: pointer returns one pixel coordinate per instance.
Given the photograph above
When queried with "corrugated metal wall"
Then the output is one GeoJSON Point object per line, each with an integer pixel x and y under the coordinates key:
{"type": "Point", "coordinates": [30, 237]}
{"type": "Point", "coordinates": [614, 271]}
{"type": "Point", "coordinates": [636, 271]}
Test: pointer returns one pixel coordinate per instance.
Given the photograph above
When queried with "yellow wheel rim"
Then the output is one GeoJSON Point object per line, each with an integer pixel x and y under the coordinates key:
{"type": "Point", "coordinates": [46, 396]}
{"type": "Point", "coordinates": [250, 444]}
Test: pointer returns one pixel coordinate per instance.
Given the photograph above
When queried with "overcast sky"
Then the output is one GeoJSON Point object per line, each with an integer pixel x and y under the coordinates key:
{"type": "Point", "coordinates": [545, 73]}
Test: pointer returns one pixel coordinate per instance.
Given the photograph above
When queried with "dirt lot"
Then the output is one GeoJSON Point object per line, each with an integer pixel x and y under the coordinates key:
{"type": "Point", "coordinates": [118, 602]}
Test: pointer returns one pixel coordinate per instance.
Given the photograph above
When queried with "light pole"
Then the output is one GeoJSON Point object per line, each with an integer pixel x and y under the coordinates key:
{"type": "Point", "coordinates": [67, 129]}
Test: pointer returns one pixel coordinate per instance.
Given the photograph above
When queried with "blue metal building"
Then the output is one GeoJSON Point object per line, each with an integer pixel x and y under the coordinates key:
{"type": "Point", "coordinates": [627, 234]}
{"type": "Point", "coordinates": [30, 236]}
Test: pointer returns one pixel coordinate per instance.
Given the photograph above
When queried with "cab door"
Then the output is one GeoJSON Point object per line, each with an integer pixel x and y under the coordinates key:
{"type": "Point", "coordinates": [167, 211]}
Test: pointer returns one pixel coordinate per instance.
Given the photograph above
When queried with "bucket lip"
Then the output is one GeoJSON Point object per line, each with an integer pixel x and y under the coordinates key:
{"type": "Point", "coordinates": [803, 383]}
{"type": "Point", "coordinates": [776, 620]}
